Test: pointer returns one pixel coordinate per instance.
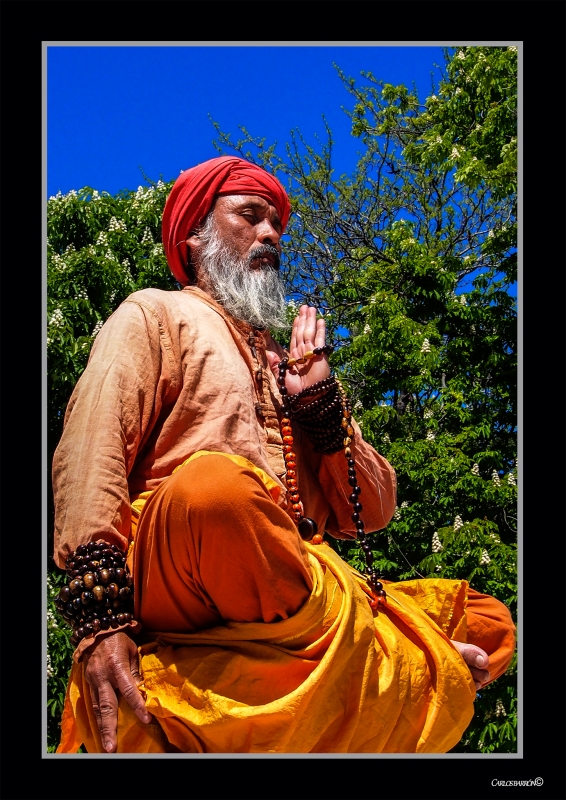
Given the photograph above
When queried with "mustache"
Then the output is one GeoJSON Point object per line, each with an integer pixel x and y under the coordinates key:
{"type": "Point", "coordinates": [266, 250]}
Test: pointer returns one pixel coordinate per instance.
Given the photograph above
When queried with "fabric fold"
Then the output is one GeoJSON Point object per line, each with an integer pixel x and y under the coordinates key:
{"type": "Point", "coordinates": [334, 678]}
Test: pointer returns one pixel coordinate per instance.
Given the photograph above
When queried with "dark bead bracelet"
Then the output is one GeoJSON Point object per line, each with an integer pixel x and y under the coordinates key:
{"type": "Point", "coordinates": [321, 419]}
{"type": "Point", "coordinates": [100, 591]}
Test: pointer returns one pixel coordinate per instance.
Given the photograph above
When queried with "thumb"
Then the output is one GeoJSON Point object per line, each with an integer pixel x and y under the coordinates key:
{"type": "Point", "coordinates": [273, 359]}
{"type": "Point", "coordinates": [473, 655]}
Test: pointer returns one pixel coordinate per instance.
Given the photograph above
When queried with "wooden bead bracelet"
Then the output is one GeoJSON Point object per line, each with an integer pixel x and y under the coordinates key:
{"type": "Point", "coordinates": [99, 594]}
{"type": "Point", "coordinates": [316, 412]}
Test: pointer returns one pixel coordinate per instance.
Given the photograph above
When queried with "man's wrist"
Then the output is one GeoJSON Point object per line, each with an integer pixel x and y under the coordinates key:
{"type": "Point", "coordinates": [99, 593]}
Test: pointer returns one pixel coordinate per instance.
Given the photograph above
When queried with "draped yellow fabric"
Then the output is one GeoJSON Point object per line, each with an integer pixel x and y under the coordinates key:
{"type": "Point", "coordinates": [334, 678]}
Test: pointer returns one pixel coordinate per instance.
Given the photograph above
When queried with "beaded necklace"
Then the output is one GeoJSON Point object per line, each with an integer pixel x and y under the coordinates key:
{"type": "Point", "coordinates": [307, 527]}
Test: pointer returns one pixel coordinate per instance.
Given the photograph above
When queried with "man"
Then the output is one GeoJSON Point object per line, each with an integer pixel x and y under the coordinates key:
{"type": "Point", "coordinates": [244, 637]}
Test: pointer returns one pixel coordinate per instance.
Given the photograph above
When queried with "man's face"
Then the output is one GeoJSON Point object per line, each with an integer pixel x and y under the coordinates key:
{"type": "Point", "coordinates": [250, 227]}
{"type": "Point", "coordinates": [236, 259]}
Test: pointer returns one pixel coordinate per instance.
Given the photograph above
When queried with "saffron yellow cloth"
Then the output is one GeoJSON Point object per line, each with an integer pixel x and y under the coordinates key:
{"type": "Point", "coordinates": [333, 678]}
{"type": "Point", "coordinates": [139, 500]}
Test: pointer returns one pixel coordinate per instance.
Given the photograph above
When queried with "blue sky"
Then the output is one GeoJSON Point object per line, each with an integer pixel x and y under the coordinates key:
{"type": "Point", "coordinates": [114, 110]}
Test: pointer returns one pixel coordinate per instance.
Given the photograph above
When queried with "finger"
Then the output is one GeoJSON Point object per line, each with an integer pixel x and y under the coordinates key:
{"type": "Point", "coordinates": [105, 707]}
{"type": "Point", "coordinates": [309, 330]}
{"type": "Point", "coordinates": [473, 655]}
{"type": "Point", "coordinates": [480, 676]}
{"type": "Point", "coordinates": [293, 342]}
{"type": "Point", "coordinates": [129, 688]}
{"type": "Point", "coordinates": [320, 337]}
{"type": "Point", "coordinates": [299, 332]}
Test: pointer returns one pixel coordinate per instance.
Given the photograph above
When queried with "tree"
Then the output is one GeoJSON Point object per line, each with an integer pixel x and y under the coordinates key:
{"type": "Point", "coordinates": [100, 249]}
{"type": "Point", "coordinates": [412, 260]}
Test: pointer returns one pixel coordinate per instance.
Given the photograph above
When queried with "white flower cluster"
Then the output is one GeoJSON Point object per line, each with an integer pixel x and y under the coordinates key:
{"type": "Point", "coordinates": [490, 234]}
{"type": "Point", "coordinates": [51, 621]}
{"type": "Point", "coordinates": [438, 568]}
{"type": "Point", "coordinates": [430, 436]}
{"type": "Point", "coordinates": [110, 255]}
{"type": "Point", "coordinates": [476, 469]}
{"type": "Point", "coordinates": [436, 543]}
{"type": "Point", "coordinates": [367, 330]}
{"type": "Point", "coordinates": [49, 667]}
{"type": "Point", "coordinates": [513, 49]}
{"type": "Point", "coordinates": [455, 153]}
{"type": "Point", "coordinates": [485, 559]}
{"type": "Point", "coordinates": [56, 319]}
{"type": "Point", "coordinates": [58, 262]}
{"type": "Point", "coordinates": [358, 406]}
{"type": "Point", "coordinates": [511, 479]}
{"type": "Point", "coordinates": [433, 97]}
{"type": "Point", "coordinates": [81, 295]}
{"type": "Point", "coordinates": [500, 708]}
{"type": "Point", "coordinates": [410, 437]}
{"type": "Point", "coordinates": [461, 55]}
{"type": "Point", "coordinates": [157, 250]}
{"type": "Point", "coordinates": [147, 238]}
{"type": "Point", "coordinates": [96, 329]}
{"type": "Point", "coordinates": [458, 90]}
{"type": "Point", "coordinates": [481, 57]}
{"type": "Point", "coordinates": [127, 270]}
{"type": "Point", "coordinates": [495, 478]}
{"type": "Point", "coordinates": [70, 248]}
{"type": "Point", "coordinates": [117, 225]}
{"type": "Point", "coordinates": [385, 438]}
{"type": "Point", "coordinates": [426, 346]}
{"type": "Point", "coordinates": [102, 239]}
{"type": "Point", "coordinates": [428, 413]}
{"type": "Point", "coordinates": [405, 504]}
{"type": "Point", "coordinates": [438, 140]}
{"type": "Point", "coordinates": [160, 184]}
{"type": "Point", "coordinates": [463, 301]}
{"type": "Point", "coordinates": [397, 514]}
{"type": "Point", "coordinates": [458, 523]}
{"type": "Point", "coordinates": [495, 538]}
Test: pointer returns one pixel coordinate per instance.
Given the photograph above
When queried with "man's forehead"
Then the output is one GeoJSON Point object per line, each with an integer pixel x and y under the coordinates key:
{"type": "Point", "coordinates": [246, 199]}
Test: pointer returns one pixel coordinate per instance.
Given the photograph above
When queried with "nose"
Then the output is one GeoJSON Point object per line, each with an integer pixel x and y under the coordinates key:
{"type": "Point", "coordinates": [267, 234]}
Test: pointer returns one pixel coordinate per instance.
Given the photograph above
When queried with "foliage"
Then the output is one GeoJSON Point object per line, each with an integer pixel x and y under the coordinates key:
{"type": "Point", "coordinates": [100, 249]}
{"type": "Point", "coordinates": [412, 261]}
{"type": "Point", "coordinates": [59, 661]}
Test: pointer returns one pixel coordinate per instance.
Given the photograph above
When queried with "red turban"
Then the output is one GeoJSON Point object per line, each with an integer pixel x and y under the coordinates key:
{"type": "Point", "coordinates": [194, 192]}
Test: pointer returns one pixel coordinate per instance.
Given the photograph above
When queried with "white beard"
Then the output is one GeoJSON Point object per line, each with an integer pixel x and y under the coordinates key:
{"type": "Point", "coordinates": [256, 296]}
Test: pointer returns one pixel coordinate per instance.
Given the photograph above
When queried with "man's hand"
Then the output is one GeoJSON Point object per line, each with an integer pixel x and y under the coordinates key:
{"type": "Point", "coordinates": [112, 666]}
{"type": "Point", "coordinates": [308, 333]}
{"type": "Point", "coordinates": [477, 660]}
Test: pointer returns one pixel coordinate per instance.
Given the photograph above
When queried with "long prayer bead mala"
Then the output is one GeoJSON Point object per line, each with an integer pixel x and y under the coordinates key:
{"type": "Point", "coordinates": [99, 594]}
{"type": "Point", "coordinates": [333, 407]}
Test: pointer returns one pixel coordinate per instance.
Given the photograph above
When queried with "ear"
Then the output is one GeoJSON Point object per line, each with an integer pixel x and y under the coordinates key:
{"type": "Point", "coordinates": [193, 243]}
